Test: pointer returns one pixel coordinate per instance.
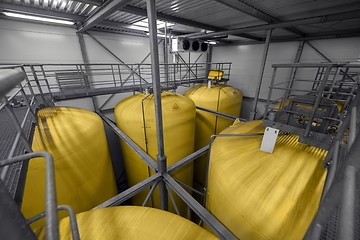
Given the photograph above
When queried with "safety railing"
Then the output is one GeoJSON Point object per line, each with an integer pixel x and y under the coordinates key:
{"type": "Point", "coordinates": [67, 81]}
{"type": "Point", "coordinates": [314, 106]}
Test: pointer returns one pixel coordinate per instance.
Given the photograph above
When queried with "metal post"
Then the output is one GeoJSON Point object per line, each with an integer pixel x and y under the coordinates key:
{"type": "Point", "coordinates": [208, 61]}
{"type": "Point", "coordinates": [87, 68]}
{"type": "Point", "coordinates": [161, 158]}
{"type": "Point", "coordinates": [261, 74]}
{"type": "Point", "coordinates": [353, 130]}
{"type": "Point", "coordinates": [294, 70]}
{"type": "Point", "coordinates": [166, 55]}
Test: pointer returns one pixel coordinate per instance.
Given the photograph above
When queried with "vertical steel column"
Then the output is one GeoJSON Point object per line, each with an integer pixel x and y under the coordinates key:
{"type": "Point", "coordinates": [294, 70]}
{"type": "Point", "coordinates": [353, 127]}
{"type": "Point", "coordinates": [87, 69]}
{"type": "Point", "coordinates": [166, 55]}
{"type": "Point", "coordinates": [208, 61]}
{"type": "Point", "coordinates": [161, 158]}
{"type": "Point", "coordinates": [261, 74]}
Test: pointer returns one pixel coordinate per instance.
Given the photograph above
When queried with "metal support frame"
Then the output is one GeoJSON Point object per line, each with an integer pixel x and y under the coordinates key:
{"type": "Point", "coordinates": [128, 77]}
{"type": "Point", "coordinates": [116, 57]}
{"type": "Point", "coordinates": [105, 10]}
{"type": "Point", "coordinates": [52, 227]}
{"type": "Point", "coordinates": [291, 23]}
{"type": "Point", "coordinates": [244, 7]}
{"type": "Point", "coordinates": [87, 68]}
{"type": "Point", "coordinates": [161, 157]}
{"type": "Point", "coordinates": [294, 70]}
{"type": "Point", "coordinates": [261, 74]}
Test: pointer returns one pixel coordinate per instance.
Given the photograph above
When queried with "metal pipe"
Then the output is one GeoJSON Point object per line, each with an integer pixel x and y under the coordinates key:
{"type": "Point", "coordinates": [224, 115]}
{"type": "Point", "coordinates": [333, 169]}
{"type": "Point", "coordinates": [9, 78]}
{"type": "Point", "coordinates": [52, 227]}
{"type": "Point", "coordinates": [161, 158]}
{"type": "Point", "coordinates": [261, 74]}
{"type": "Point", "coordinates": [73, 223]}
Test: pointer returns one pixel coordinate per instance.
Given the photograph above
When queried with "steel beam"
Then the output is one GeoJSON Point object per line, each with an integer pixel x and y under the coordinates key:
{"type": "Point", "coordinates": [188, 159]}
{"type": "Point", "coordinates": [206, 216]}
{"type": "Point", "coordinates": [354, 32]}
{"type": "Point", "coordinates": [261, 74]}
{"type": "Point", "coordinates": [294, 70]}
{"type": "Point", "coordinates": [130, 192]}
{"type": "Point", "coordinates": [141, 153]}
{"type": "Point", "coordinates": [292, 23]}
{"type": "Point", "coordinates": [105, 10]}
{"type": "Point", "coordinates": [256, 13]}
{"type": "Point", "coordinates": [87, 68]}
{"type": "Point", "coordinates": [56, 14]}
{"type": "Point", "coordinates": [183, 21]}
{"type": "Point", "coordinates": [116, 57]}
{"type": "Point", "coordinates": [161, 157]}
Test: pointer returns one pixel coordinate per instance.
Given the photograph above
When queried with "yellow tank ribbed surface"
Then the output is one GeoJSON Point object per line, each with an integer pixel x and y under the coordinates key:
{"type": "Point", "coordinates": [179, 127]}
{"type": "Point", "coordinates": [83, 170]}
{"type": "Point", "coordinates": [133, 223]}
{"type": "Point", "coordinates": [258, 195]}
{"type": "Point", "coordinates": [221, 98]}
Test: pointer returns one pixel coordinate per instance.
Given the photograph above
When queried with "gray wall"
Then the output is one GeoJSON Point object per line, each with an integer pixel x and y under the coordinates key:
{"type": "Point", "coordinates": [246, 60]}
{"type": "Point", "coordinates": [23, 42]}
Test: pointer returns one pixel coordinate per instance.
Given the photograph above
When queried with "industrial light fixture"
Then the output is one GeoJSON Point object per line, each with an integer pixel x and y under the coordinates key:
{"type": "Point", "coordinates": [143, 25]}
{"type": "Point", "coordinates": [212, 42]}
{"type": "Point", "coordinates": [37, 18]}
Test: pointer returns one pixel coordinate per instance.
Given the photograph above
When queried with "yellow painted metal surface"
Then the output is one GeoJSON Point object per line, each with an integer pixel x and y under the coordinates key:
{"type": "Point", "coordinates": [132, 223]}
{"type": "Point", "coordinates": [258, 195]}
{"type": "Point", "coordinates": [221, 98]}
{"type": "Point", "coordinates": [83, 170]}
{"type": "Point", "coordinates": [179, 128]}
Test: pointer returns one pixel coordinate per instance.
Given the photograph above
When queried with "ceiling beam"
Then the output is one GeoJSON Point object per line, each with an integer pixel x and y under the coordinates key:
{"type": "Point", "coordinates": [183, 21]}
{"type": "Point", "coordinates": [57, 14]}
{"type": "Point", "coordinates": [297, 22]}
{"type": "Point", "coordinates": [105, 10]}
{"type": "Point", "coordinates": [251, 11]}
{"type": "Point", "coordinates": [355, 32]}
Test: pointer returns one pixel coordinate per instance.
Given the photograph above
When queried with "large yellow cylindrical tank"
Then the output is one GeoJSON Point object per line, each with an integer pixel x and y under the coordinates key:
{"type": "Point", "coordinates": [258, 195]}
{"type": "Point", "coordinates": [135, 116]}
{"type": "Point", "coordinates": [84, 175]}
{"type": "Point", "coordinates": [132, 223]}
{"type": "Point", "coordinates": [221, 98]}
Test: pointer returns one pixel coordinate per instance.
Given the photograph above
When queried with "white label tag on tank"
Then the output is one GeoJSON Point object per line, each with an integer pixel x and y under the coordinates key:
{"type": "Point", "coordinates": [269, 140]}
{"type": "Point", "coordinates": [209, 84]}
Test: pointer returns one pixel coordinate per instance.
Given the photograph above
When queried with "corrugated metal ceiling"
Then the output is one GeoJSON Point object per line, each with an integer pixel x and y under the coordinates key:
{"type": "Point", "coordinates": [213, 13]}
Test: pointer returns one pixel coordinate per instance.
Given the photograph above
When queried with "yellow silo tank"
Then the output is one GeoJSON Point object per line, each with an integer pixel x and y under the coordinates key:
{"type": "Point", "coordinates": [221, 98]}
{"type": "Point", "coordinates": [135, 116]}
{"type": "Point", "coordinates": [132, 223]}
{"type": "Point", "coordinates": [258, 195]}
{"type": "Point", "coordinates": [84, 175]}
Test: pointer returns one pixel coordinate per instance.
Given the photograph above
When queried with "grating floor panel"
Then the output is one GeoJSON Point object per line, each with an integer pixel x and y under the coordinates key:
{"type": "Point", "coordinates": [7, 137]}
